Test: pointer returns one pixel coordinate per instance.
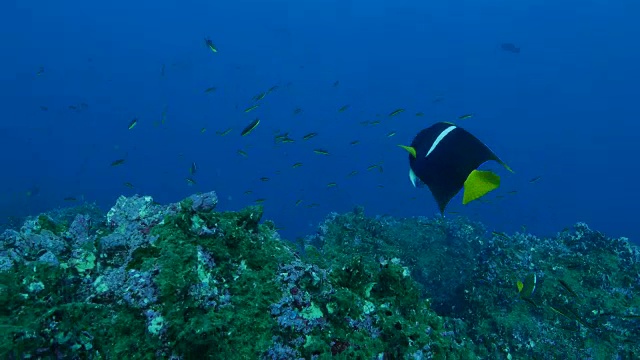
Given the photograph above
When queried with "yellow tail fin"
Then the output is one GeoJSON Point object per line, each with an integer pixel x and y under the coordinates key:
{"type": "Point", "coordinates": [478, 184]}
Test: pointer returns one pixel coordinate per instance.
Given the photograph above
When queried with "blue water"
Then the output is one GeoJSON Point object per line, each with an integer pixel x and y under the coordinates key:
{"type": "Point", "coordinates": [562, 109]}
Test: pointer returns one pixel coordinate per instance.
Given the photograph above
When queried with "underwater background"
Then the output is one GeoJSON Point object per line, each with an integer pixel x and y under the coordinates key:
{"type": "Point", "coordinates": [563, 108]}
{"type": "Point", "coordinates": [106, 101]}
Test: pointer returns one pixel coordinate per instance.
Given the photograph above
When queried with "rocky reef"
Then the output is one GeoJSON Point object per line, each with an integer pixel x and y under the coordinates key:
{"type": "Point", "coordinates": [184, 281]}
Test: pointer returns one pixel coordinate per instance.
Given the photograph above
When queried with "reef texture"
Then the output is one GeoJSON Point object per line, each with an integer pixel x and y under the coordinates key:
{"type": "Point", "coordinates": [184, 281]}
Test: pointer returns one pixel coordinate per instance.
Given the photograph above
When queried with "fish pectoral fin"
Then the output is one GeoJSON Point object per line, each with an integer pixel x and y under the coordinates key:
{"type": "Point", "coordinates": [478, 184]}
{"type": "Point", "coordinates": [410, 150]}
{"type": "Point", "coordinates": [412, 177]}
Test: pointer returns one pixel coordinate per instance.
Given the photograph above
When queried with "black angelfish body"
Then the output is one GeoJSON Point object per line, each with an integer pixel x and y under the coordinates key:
{"type": "Point", "coordinates": [446, 158]}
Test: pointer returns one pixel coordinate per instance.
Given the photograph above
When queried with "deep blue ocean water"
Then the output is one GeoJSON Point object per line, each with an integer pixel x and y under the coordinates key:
{"type": "Point", "coordinates": [75, 73]}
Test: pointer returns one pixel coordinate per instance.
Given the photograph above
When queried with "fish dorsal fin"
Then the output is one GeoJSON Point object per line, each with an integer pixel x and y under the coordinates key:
{"type": "Point", "coordinates": [478, 184]}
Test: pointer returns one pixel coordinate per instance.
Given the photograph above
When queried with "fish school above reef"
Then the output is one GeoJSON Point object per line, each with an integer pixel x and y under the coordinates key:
{"type": "Point", "coordinates": [184, 281]}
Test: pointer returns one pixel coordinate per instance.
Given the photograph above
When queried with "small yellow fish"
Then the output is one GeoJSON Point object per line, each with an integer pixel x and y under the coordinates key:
{"type": "Point", "coordinates": [117, 162]}
{"type": "Point", "coordinates": [332, 184]}
{"type": "Point", "coordinates": [321, 151]}
{"type": "Point", "coordinates": [210, 45]}
{"type": "Point", "coordinates": [535, 179]}
{"type": "Point", "coordinates": [203, 130]}
{"type": "Point", "coordinates": [249, 128]}
{"type": "Point", "coordinates": [309, 136]}
{"type": "Point", "coordinates": [500, 234]}
{"type": "Point", "coordinates": [242, 153]}
{"type": "Point", "coordinates": [251, 108]}
{"type": "Point", "coordinates": [560, 312]}
{"type": "Point", "coordinates": [225, 132]}
{"type": "Point", "coordinates": [465, 116]}
{"type": "Point", "coordinates": [396, 112]}
{"type": "Point", "coordinates": [297, 165]}
{"type": "Point", "coordinates": [190, 181]}
{"type": "Point", "coordinates": [567, 288]}
{"type": "Point", "coordinates": [133, 123]}
{"type": "Point", "coordinates": [259, 96]}
{"type": "Point", "coordinates": [281, 137]}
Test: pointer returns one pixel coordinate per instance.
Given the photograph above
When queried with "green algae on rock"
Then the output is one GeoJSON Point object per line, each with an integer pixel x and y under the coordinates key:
{"type": "Point", "coordinates": [184, 281]}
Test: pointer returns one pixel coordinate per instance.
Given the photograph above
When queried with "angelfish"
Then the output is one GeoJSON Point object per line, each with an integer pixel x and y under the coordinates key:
{"type": "Point", "coordinates": [446, 158]}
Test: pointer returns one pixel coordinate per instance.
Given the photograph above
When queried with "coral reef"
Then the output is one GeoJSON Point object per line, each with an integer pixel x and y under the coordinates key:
{"type": "Point", "coordinates": [184, 281]}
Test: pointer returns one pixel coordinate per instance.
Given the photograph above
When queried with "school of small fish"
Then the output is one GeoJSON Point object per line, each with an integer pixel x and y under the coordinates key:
{"type": "Point", "coordinates": [394, 118]}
